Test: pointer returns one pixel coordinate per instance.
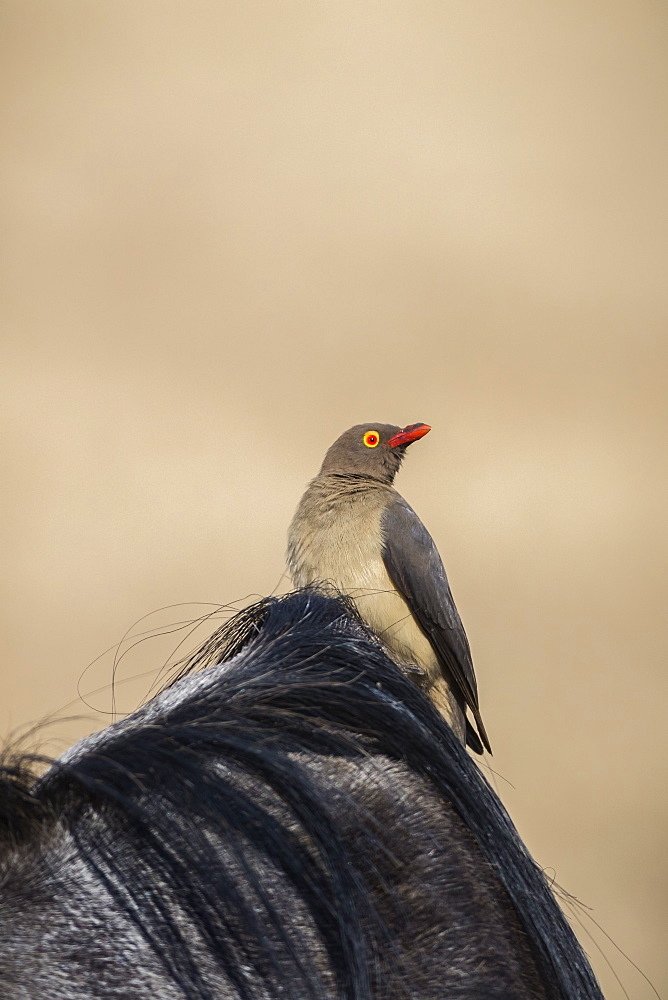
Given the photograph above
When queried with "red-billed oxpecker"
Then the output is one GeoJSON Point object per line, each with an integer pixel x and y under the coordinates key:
{"type": "Point", "coordinates": [354, 531]}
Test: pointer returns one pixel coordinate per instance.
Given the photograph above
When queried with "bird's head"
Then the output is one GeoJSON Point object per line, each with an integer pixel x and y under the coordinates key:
{"type": "Point", "coordinates": [374, 450]}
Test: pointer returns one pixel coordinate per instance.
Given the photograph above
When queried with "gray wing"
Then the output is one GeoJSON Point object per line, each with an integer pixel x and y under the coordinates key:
{"type": "Point", "coordinates": [417, 571]}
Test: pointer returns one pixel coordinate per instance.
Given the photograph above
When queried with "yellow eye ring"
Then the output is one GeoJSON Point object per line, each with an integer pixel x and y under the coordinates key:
{"type": "Point", "coordinates": [371, 439]}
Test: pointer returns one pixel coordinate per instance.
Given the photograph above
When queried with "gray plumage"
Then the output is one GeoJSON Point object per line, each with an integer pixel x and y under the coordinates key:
{"type": "Point", "coordinates": [354, 532]}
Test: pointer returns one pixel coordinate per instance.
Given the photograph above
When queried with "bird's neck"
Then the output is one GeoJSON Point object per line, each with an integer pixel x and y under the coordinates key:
{"type": "Point", "coordinates": [350, 482]}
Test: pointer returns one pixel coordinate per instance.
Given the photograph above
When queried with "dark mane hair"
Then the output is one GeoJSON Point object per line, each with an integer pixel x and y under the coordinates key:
{"type": "Point", "coordinates": [214, 821]}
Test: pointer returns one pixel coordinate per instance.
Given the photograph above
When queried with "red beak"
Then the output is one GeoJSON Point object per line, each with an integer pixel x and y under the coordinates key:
{"type": "Point", "coordinates": [408, 434]}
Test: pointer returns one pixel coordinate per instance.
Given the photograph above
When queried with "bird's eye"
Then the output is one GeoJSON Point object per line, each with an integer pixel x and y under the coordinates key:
{"type": "Point", "coordinates": [371, 439]}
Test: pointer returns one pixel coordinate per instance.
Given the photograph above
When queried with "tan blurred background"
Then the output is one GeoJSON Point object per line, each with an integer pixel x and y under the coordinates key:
{"type": "Point", "coordinates": [233, 230]}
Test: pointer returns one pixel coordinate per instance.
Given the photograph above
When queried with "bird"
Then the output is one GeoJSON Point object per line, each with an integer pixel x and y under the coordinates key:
{"type": "Point", "coordinates": [353, 532]}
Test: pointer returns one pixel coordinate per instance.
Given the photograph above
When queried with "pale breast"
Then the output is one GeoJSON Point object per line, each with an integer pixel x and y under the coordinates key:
{"type": "Point", "coordinates": [336, 538]}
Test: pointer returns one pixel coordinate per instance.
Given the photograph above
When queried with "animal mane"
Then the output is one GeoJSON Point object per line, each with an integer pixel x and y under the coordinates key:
{"type": "Point", "coordinates": [216, 756]}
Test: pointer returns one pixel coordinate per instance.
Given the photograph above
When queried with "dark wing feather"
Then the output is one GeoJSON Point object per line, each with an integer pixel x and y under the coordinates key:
{"type": "Point", "coordinates": [417, 571]}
